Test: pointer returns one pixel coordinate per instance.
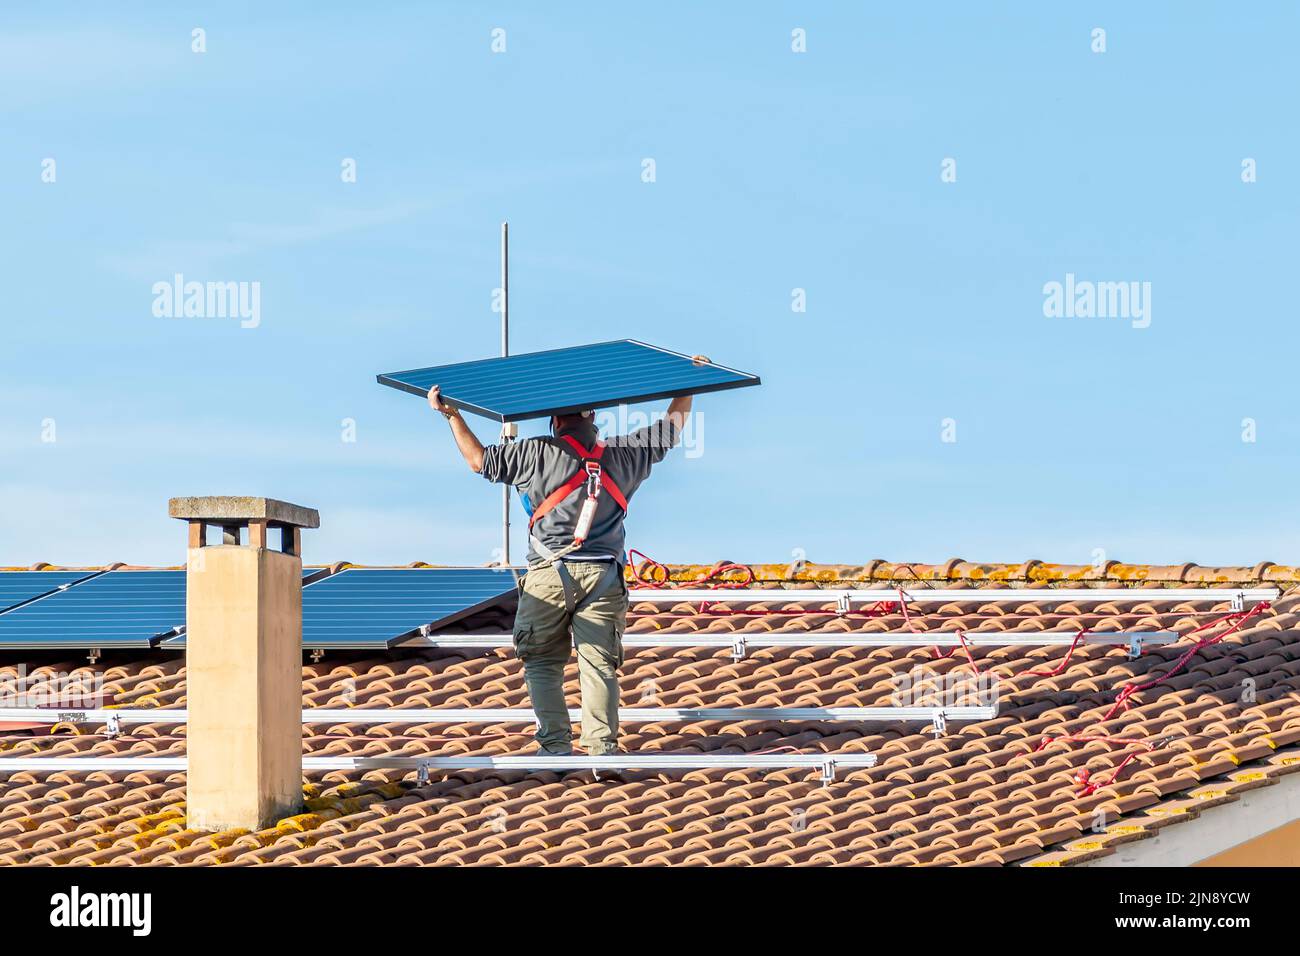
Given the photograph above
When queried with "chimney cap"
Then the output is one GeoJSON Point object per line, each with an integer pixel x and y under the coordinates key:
{"type": "Point", "coordinates": [224, 509]}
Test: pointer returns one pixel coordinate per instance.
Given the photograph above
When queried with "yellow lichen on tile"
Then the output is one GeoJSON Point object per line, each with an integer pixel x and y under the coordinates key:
{"type": "Point", "coordinates": [224, 838]}
{"type": "Point", "coordinates": [307, 821]}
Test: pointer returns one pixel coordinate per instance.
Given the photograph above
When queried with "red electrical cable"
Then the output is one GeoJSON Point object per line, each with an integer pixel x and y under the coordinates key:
{"type": "Point", "coordinates": [934, 651]}
{"type": "Point", "coordinates": [712, 577]}
{"type": "Point", "coordinates": [907, 622]}
{"type": "Point", "coordinates": [1065, 663]}
{"type": "Point", "coordinates": [961, 637]}
{"type": "Point", "coordinates": [1128, 690]}
{"type": "Point", "coordinates": [1083, 777]}
{"type": "Point", "coordinates": [872, 612]}
{"type": "Point", "coordinates": [652, 575]}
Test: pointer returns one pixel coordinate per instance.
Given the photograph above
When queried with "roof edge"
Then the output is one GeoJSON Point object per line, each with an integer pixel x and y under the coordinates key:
{"type": "Point", "coordinates": [955, 570]}
{"type": "Point", "coordinates": [1030, 572]}
{"type": "Point", "coordinates": [1207, 833]}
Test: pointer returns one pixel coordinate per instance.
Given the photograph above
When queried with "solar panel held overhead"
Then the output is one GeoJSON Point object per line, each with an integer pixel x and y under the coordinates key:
{"type": "Point", "coordinates": [559, 381]}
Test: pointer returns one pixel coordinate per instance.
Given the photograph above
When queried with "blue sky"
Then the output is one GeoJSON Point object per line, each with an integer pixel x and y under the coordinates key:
{"type": "Point", "coordinates": [775, 170]}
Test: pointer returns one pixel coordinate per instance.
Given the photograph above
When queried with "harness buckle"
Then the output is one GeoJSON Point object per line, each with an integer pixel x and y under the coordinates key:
{"type": "Point", "coordinates": [593, 477]}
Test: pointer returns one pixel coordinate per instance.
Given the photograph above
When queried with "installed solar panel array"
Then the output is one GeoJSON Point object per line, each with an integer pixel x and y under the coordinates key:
{"type": "Point", "coordinates": [368, 607]}
{"type": "Point", "coordinates": [117, 609]}
{"type": "Point", "coordinates": [374, 607]}
{"type": "Point", "coordinates": [539, 384]}
{"type": "Point", "coordinates": [357, 607]}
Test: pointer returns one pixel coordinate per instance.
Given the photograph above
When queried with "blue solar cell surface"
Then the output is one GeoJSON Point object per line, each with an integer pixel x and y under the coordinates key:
{"type": "Point", "coordinates": [19, 586]}
{"type": "Point", "coordinates": [357, 607]}
{"type": "Point", "coordinates": [117, 609]}
{"type": "Point", "coordinates": [538, 384]}
{"type": "Point", "coordinates": [371, 607]}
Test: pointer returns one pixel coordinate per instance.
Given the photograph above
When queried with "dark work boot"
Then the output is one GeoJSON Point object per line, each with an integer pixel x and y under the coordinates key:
{"type": "Point", "coordinates": [543, 752]}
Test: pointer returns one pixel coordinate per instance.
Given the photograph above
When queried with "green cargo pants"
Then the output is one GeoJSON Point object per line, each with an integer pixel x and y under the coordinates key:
{"type": "Point", "coordinates": [542, 642]}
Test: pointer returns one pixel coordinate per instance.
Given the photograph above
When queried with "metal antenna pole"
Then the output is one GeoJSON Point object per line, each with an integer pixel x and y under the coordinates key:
{"type": "Point", "coordinates": [508, 431]}
{"type": "Point", "coordinates": [505, 289]}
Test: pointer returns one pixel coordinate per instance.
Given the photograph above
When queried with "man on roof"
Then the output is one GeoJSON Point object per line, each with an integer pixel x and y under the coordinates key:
{"type": "Point", "coordinates": [575, 489]}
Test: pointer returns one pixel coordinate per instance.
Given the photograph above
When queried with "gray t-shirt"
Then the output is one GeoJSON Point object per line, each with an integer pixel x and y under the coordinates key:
{"type": "Point", "coordinates": [538, 466]}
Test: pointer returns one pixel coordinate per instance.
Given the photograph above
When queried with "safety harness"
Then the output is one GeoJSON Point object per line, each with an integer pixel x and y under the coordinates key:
{"type": "Point", "coordinates": [595, 479]}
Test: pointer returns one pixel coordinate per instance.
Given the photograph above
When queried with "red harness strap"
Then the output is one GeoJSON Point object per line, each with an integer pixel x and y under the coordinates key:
{"type": "Point", "coordinates": [589, 469]}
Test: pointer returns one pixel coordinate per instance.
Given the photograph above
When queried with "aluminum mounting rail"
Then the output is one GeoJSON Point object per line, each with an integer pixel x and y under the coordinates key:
{"type": "Point", "coordinates": [945, 596]}
{"type": "Point", "coordinates": [740, 643]}
{"type": "Point", "coordinates": [651, 714]}
{"type": "Point", "coordinates": [827, 763]}
{"type": "Point", "coordinates": [114, 718]}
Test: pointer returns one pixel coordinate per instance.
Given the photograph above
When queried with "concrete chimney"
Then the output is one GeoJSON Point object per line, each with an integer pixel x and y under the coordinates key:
{"type": "Point", "coordinates": [243, 661]}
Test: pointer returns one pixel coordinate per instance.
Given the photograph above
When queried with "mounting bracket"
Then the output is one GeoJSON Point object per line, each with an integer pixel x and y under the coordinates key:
{"type": "Point", "coordinates": [828, 773]}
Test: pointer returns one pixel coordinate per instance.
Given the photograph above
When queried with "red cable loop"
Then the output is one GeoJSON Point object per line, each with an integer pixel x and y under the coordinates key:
{"type": "Point", "coordinates": [961, 636]}
{"type": "Point", "coordinates": [660, 576]}
{"type": "Point", "coordinates": [1083, 776]}
{"type": "Point", "coordinates": [1065, 663]}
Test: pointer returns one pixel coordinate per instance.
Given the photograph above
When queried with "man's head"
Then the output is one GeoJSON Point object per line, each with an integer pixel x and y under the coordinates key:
{"type": "Point", "coordinates": [573, 422]}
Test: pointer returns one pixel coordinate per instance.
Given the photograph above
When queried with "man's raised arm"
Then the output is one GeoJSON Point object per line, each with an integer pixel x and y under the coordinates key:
{"type": "Point", "coordinates": [680, 408]}
{"type": "Point", "coordinates": [678, 411]}
{"type": "Point", "coordinates": [467, 442]}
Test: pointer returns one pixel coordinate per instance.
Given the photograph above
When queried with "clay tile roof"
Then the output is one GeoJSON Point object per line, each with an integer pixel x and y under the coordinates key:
{"type": "Point", "coordinates": [1022, 788]}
